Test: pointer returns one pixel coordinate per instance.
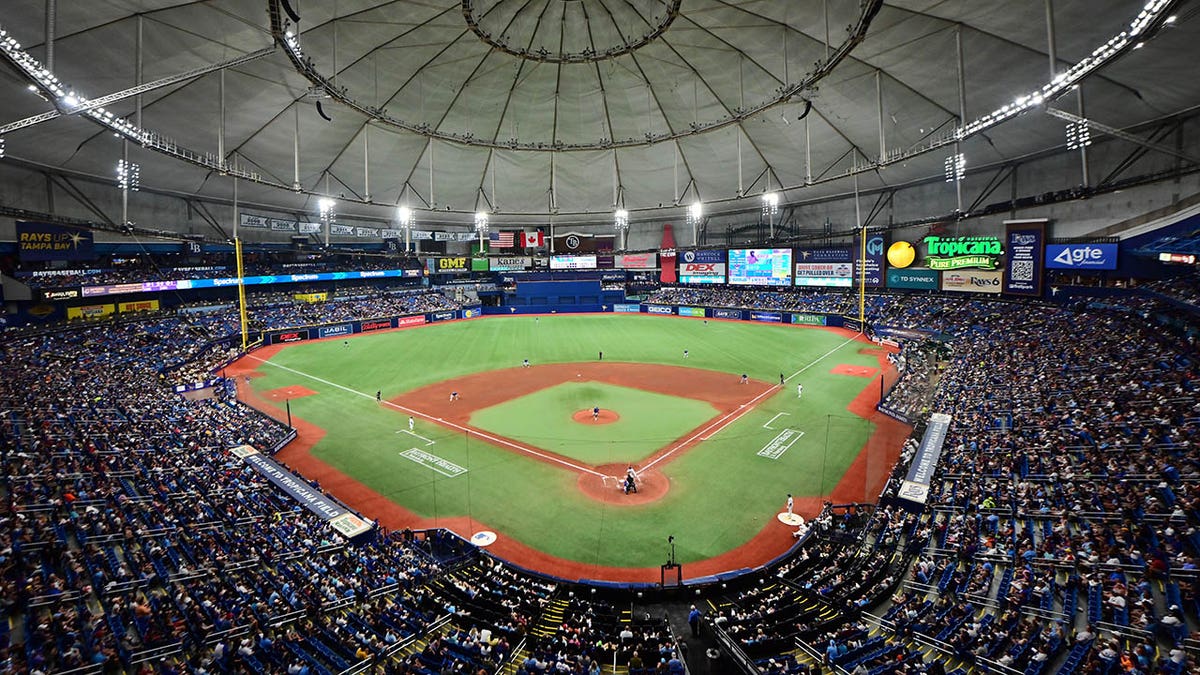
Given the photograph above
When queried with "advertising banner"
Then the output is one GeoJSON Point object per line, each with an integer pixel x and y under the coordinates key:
{"type": "Point", "coordinates": [138, 306]}
{"type": "Point", "coordinates": [311, 297]}
{"type": "Point", "coordinates": [915, 486]}
{"type": "Point", "coordinates": [458, 264]}
{"type": "Point", "coordinates": [919, 279]}
{"type": "Point", "coordinates": [701, 273]}
{"type": "Point", "coordinates": [337, 330]}
{"type": "Point", "coordinates": [572, 262]}
{"type": "Point", "coordinates": [824, 255]}
{"type": "Point", "coordinates": [1081, 256]}
{"type": "Point", "coordinates": [873, 263]}
{"type": "Point", "coordinates": [326, 507]}
{"type": "Point", "coordinates": [472, 312]}
{"type": "Point", "coordinates": [289, 336]}
{"type": "Point", "coordinates": [973, 281]}
{"type": "Point", "coordinates": [405, 321]}
{"type": "Point", "coordinates": [824, 274]}
{"type": "Point", "coordinates": [447, 315]}
{"type": "Point", "coordinates": [850, 323]}
{"type": "Point", "coordinates": [625, 308]}
{"type": "Point", "coordinates": [43, 241]}
{"type": "Point", "coordinates": [90, 311]}
{"type": "Point", "coordinates": [659, 309]}
{"type": "Point", "coordinates": [727, 314]}
{"type": "Point", "coordinates": [510, 263]}
{"type": "Point", "coordinates": [668, 254]}
{"type": "Point", "coordinates": [1023, 240]}
{"type": "Point", "coordinates": [956, 253]}
{"type": "Point", "coordinates": [702, 256]}
{"type": "Point", "coordinates": [59, 294]}
{"type": "Point", "coordinates": [691, 311]}
{"type": "Point", "coordinates": [283, 225]}
{"type": "Point", "coordinates": [310, 228]}
{"type": "Point", "coordinates": [341, 230]}
{"type": "Point", "coordinates": [769, 317]}
{"type": "Point", "coordinates": [375, 324]}
{"type": "Point", "coordinates": [809, 319]}
{"type": "Point", "coordinates": [636, 261]}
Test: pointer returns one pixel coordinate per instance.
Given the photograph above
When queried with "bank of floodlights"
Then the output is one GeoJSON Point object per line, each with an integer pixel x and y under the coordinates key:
{"type": "Point", "coordinates": [956, 167]}
{"type": "Point", "coordinates": [770, 203]}
{"type": "Point", "coordinates": [327, 208]}
{"type": "Point", "coordinates": [694, 213]}
{"type": "Point", "coordinates": [1079, 135]}
{"type": "Point", "coordinates": [481, 222]}
{"type": "Point", "coordinates": [129, 175]}
{"type": "Point", "coordinates": [621, 220]}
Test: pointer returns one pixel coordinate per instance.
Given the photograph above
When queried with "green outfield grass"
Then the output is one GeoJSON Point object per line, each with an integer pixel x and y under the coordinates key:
{"type": "Point", "coordinates": [647, 421]}
{"type": "Point", "coordinates": [722, 492]}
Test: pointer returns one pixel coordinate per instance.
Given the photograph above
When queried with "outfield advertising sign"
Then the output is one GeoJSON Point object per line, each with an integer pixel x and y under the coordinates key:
{"type": "Point", "coordinates": [973, 281]}
{"type": "Point", "coordinates": [727, 314]}
{"type": "Point", "coordinates": [1081, 256]}
{"type": "Point", "coordinates": [447, 315]}
{"type": "Point", "coordinates": [809, 319]}
{"type": "Point", "coordinates": [824, 274]}
{"type": "Point", "coordinates": [375, 324]}
{"type": "Point", "coordinates": [873, 263]}
{"type": "Point", "coordinates": [289, 336]}
{"type": "Point", "coordinates": [691, 311]}
{"type": "Point", "coordinates": [956, 253]}
{"type": "Point", "coordinates": [1024, 240]}
{"type": "Point", "coordinates": [925, 280]}
{"type": "Point", "coordinates": [768, 317]}
{"type": "Point", "coordinates": [702, 272]}
{"type": "Point", "coordinates": [625, 308]}
{"type": "Point", "coordinates": [824, 255]}
{"type": "Point", "coordinates": [335, 331]}
{"type": "Point", "coordinates": [659, 309]}
{"type": "Point", "coordinates": [405, 321]}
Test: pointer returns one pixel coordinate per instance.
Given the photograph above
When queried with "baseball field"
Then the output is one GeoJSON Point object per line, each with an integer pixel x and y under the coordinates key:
{"type": "Point", "coordinates": [522, 452]}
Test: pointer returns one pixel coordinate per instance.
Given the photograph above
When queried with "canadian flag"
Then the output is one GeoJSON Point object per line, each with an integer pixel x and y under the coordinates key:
{"type": "Point", "coordinates": [533, 239]}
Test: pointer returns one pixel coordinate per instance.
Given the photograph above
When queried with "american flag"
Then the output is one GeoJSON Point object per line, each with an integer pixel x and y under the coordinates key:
{"type": "Point", "coordinates": [501, 239]}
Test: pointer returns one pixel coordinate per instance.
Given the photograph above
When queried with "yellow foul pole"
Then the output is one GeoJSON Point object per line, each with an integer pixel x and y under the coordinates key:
{"type": "Point", "coordinates": [237, 247]}
{"type": "Point", "coordinates": [862, 279]}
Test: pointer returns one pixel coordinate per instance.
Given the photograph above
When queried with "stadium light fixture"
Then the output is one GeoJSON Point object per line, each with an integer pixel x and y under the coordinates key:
{"type": "Point", "coordinates": [404, 216]}
{"type": "Point", "coordinates": [695, 212]}
{"type": "Point", "coordinates": [770, 203]}
{"type": "Point", "coordinates": [1079, 135]}
{"type": "Point", "coordinates": [621, 220]}
{"type": "Point", "coordinates": [481, 222]}
{"type": "Point", "coordinates": [956, 167]}
{"type": "Point", "coordinates": [129, 175]}
{"type": "Point", "coordinates": [326, 207]}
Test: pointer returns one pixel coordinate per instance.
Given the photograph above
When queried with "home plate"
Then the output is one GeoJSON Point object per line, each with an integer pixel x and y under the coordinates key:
{"type": "Point", "coordinates": [793, 519]}
{"type": "Point", "coordinates": [484, 538]}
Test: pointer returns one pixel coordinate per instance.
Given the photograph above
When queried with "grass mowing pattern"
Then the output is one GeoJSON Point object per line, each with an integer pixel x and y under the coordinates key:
{"type": "Point", "coordinates": [721, 493]}
{"type": "Point", "coordinates": [543, 419]}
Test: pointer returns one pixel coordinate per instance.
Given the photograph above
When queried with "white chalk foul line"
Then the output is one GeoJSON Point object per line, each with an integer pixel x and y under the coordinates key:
{"type": "Point", "coordinates": [406, 431]}
{"type": "Point", "coordinates": [417, 413]}
{"type": "Point", "coordinates": [714, 428]}
{"type": "Point", "coordinates": [772, 420]}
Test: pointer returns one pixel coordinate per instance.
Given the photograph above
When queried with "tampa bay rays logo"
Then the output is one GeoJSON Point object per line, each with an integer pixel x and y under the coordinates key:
{"type": "Point", "coordinates": [572, 241]}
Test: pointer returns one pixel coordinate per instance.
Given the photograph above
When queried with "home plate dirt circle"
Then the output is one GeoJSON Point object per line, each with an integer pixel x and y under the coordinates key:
{"type": "Point", "coordinates": [585, 417]}
{"type": "Point", "coordinates": [607, 487]}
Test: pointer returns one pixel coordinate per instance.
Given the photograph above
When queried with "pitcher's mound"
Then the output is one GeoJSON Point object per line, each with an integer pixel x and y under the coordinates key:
{"type": "Point", "coordinates": [585, 417]}
{"type": "Point", "coordinates": [606, 488]}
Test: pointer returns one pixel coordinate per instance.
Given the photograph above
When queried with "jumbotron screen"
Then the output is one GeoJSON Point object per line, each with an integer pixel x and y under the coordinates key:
{"type": "Point", "coordinates": [760, 266]}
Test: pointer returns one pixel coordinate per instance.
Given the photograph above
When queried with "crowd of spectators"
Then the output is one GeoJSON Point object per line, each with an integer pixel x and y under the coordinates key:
{"type": "Point", "coordinates": [163, 267]}
{"type": "Point", "coordinates": [1061, 526]}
